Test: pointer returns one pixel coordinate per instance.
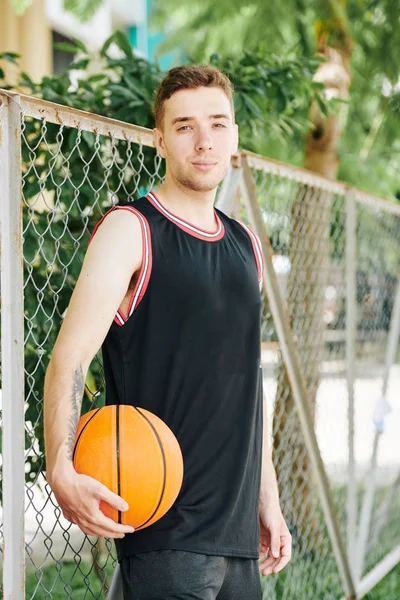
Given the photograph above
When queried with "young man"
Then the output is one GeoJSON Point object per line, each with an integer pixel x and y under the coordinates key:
{"type": "Point", "coordinates": [170, 289]}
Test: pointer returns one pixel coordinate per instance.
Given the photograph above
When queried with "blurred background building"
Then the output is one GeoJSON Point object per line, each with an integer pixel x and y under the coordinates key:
{"type": "Point", "coordinates": [45, 23]}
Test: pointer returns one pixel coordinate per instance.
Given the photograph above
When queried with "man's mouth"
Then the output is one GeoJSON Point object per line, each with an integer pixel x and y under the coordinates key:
{"type": "Point", "coordinates": [204, 166]}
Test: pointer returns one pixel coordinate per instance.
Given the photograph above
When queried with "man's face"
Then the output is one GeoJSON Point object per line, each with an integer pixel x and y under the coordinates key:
{"type": "Point", "coordinates": [198, 137]}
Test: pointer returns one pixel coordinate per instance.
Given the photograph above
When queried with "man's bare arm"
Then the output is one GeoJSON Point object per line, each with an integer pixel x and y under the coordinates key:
{"type": "Point", "coordinates": [269, 493]}
{"type": "Point", "coordinates": [114, 254]}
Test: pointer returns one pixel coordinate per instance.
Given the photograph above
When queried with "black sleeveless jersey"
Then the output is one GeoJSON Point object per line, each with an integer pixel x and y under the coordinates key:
{"type": "Point", "coordinates": [188, 350]}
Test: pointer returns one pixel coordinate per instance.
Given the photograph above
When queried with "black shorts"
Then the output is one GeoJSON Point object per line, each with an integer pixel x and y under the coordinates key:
{"type": "Point", "coordinates": [179, 575]}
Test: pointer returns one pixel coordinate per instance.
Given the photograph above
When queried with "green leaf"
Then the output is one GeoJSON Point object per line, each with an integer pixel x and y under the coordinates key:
{"type": "Point", "coordinates": [322, 105]}
{"type": "Point", "coordinates": [10, 57]}
{"type": "Point", "coordinates": [122, 40]}
{"type": "Point", "coordinates": [89, 138]}
{"type": "Point", "coordinates": [79, 64]}
{"type": "Point", "coordinates": [66, 47]}
{"type": "Point", "coordinates": [133, 85]}
{"type": "Point", "coordinates": [79, 44]}
{"type": "Point", "coordinates": [96, 78]}
{"type": "Point", "coordinates": [120, 90]}
{"type": "Point", "coordinates": [26, 79]}
{"type": "Point", "coordinates": [252, 107]}
{"type": "Point", "coordinates": [280, 101]}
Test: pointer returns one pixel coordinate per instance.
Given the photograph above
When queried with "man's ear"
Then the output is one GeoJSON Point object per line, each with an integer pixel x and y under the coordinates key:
{"type": "Point", "coordinates": [159, 142]}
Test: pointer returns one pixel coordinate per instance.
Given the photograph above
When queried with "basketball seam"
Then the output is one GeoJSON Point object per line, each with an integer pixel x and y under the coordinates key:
{"type": "Point", "coordinates": [82, 430]}
{"type": "Point", "coordinates": [117, 415]}
{"type": "Point", "coordinates": [164, 465]}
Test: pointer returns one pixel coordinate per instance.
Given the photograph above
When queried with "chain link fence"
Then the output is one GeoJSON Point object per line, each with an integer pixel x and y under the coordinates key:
{"type": "Point", "coordinates": [335, 254]}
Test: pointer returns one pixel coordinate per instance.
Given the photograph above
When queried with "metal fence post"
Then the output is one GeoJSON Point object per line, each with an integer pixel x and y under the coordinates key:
{"type": "Point", "coordinates": [351, 326]}
{"type": "Point", "coordinates": [366, 511]}
{"type": "Point", "coordinates": [292, 361]}
{"type": "Point", "coordinates": [115, 592]}
{"type": "Point", "coordinates": [12, 349]}
{"type": "Point", "coordinates": [229, 187]}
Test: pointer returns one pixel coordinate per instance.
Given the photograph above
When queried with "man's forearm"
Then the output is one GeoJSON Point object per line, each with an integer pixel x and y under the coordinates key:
{"type": "Point", "coordinates": [269, 492]}
{"type": "Point", "coordinates": [63, 391]}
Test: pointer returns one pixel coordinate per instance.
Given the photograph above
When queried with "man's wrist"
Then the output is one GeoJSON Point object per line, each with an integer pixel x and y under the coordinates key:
{"type": "Point", "coordinates": [60, 467]}
{"type": "Point", "coordinates": [269, 495]}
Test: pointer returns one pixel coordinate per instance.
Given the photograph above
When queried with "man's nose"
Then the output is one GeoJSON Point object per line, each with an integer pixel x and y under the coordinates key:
{"type": "Point", "coordinates": [204, 140]}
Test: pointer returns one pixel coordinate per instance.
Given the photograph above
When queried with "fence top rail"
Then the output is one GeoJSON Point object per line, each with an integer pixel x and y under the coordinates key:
{"type": "Point", "coordinates": [79, 119]}
{"type": "Point", "coordinates": [312, 179]}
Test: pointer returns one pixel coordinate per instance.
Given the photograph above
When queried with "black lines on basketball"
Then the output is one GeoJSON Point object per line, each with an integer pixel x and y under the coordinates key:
{"type": "Point", "coordinates": [117, 442]}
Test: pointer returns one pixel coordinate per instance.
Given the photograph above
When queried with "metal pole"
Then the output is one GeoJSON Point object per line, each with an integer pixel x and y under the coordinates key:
{"type": "Point", "coordinates": [291, 357]}
{"type": "Point", "coordinates": [393, 340]}
{"type": "Point", "coordinates": [383, 408]}
{"type": "Point", "coordinates": [12, 349]}
{"type": "Point", "coordinates": [351, 326]}
{"type": "Point", "coordinates": [115, 591]}
{"type": "Point", "coordinates": [366, 511]}
{"type": "Point", "coordinates": [229, 187]}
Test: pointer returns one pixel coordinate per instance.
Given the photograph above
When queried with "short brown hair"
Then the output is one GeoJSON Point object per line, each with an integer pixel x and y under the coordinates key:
{"type": "Point", "coordinates": [189, 77]}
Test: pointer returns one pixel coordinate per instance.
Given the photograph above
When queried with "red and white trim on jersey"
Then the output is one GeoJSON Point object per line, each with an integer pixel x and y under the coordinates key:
{"type": "Point", "coordinates": [145, 269]}
{"type": "Point", "coordinates": [257, 248]}
{"type": "Point", "coordinates": [188, 227]}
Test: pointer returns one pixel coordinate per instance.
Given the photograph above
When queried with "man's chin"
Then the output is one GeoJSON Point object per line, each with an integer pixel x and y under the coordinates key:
{"type": "Point", "coordinates": [201, 184]}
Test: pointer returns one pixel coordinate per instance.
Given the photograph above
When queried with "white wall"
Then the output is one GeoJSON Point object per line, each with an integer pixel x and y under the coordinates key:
{"type": "Point", "coordinates": [112, 15]}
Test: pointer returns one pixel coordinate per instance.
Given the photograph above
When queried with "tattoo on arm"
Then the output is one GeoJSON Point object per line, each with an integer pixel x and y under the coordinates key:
{"type": "Point", "coordinates": [78, 386]}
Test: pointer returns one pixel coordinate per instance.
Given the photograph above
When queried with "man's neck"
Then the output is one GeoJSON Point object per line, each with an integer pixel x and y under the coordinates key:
{"type": "Point", "coordinates": [194, 207]}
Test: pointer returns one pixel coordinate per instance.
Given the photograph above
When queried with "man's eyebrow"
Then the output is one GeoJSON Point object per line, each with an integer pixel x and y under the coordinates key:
{"type": "Point", "coordinates": [183, 119]}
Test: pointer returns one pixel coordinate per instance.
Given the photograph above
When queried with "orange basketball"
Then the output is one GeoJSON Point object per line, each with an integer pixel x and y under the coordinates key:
{"type": "Point", "coordinates": [135, 454]}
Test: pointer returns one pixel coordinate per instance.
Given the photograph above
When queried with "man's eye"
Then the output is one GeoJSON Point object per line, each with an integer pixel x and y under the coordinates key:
{"type": "Point", "coordinates": [183, 127]}
{"type": "Point", "coordinates": [220, 124]}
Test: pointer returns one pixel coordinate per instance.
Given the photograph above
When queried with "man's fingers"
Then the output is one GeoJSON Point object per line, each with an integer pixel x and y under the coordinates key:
{"type": "Point", "coordinates": [106, 523]}
{"type": "Point", "coordinates": [98, 532]}
{"type": "Point", "coordinates": [286, 554]}
{"type": "Point", "coordinates": [103, 493]}
{"type": "Point", "coordinates": [100, 525]}
{"type": "Point", "coordinates": [91, 518]}
{"type": "Point", "coordinates": [275, 542]}
{"type": "Point", "coordinates": [281, 564]}
{"type": "Point", "coordinates": [266, 561]}
{"type": "Point", "coordinates": [269, 566]}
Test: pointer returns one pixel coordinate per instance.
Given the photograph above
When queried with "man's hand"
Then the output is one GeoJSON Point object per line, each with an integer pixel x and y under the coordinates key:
{"type": "Point", "coordinates": [79, 498]}
{"type": "Point", "coordinates": [275, 541]}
